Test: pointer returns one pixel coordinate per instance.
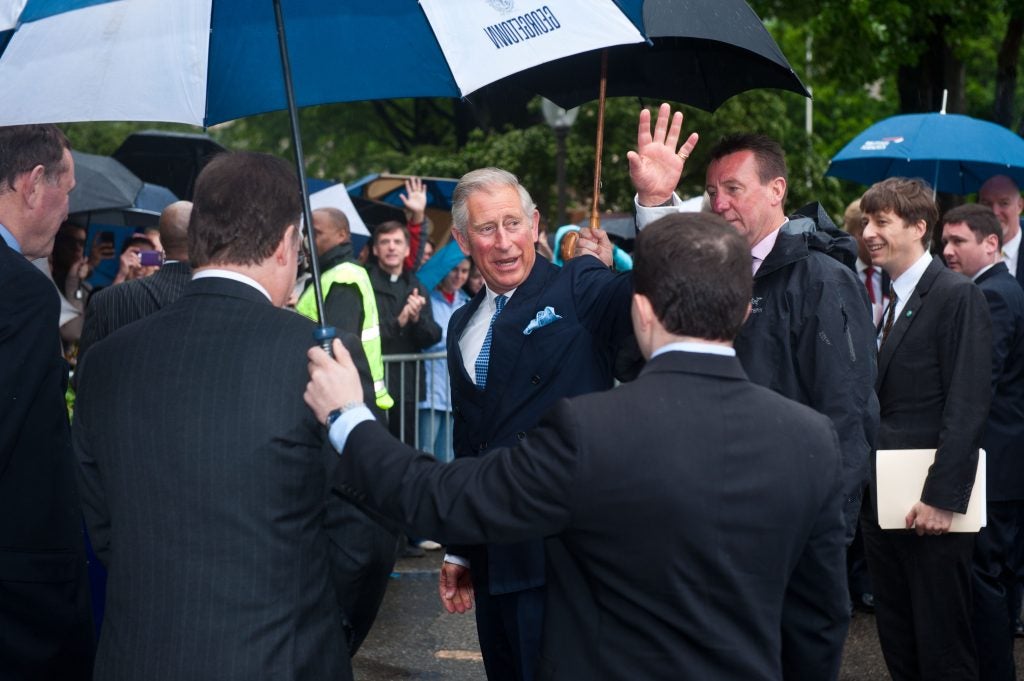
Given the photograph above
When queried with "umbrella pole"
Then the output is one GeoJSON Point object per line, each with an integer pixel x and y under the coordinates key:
{"type": "Point", "coordinates": [324, 334]}
{"type": "Point", "coordinates": [595, 220]}
{"type": "Point", "coordinates": [568, 248]}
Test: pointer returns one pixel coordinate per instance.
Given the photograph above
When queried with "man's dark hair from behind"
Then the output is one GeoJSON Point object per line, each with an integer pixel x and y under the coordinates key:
{"type": "Point", "coordinates": [243, 203]}
{"type": "Point", "coordinates": [911, 199]}
{"type": "Point", "coordinates": [389, 227]}
{"type": "Point", "coordinates": [695, 270]}
{"type": "Point", "coordinates": [979, 219]}
{"type": "Point", "coordinates": [23, 147]}
{"type": "Point", "coordinates": [771, 159]}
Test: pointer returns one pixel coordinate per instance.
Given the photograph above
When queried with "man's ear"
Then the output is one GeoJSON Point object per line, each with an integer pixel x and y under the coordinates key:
{"type": "Point", "coordinates": [919, 227]}
{"type": "Point", "coordinates": [536, 224]}
{"type": "Point", "coordinates": [991, 244]}
{"type": "Point", "coordinates": [746, 315]}
{"type": "Point", "coordinates": [644, 311]}
{"type": "Point", "coordinates": [281, 252]}
{"type": "Point", "coordinates": [778, 189]}
{"type": "Point", "coordinates": [30, 184]}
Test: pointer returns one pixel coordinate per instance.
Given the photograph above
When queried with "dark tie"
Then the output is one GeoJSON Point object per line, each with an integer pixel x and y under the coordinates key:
{"type": "Point", "coordinates": [485, 350]}
{"type": "Point", "coordinates": [869, 282]}
{"type": "Point", "coordinates": [890, 317]}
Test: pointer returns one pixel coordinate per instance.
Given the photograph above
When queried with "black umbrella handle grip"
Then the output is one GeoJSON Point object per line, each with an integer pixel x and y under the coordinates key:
{"type": "Point", "coordinates": [324, 336]}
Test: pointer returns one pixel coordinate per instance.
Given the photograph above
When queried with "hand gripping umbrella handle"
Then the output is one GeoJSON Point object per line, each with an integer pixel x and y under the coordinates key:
{"type": "Point", "coordinates": [324, 336]}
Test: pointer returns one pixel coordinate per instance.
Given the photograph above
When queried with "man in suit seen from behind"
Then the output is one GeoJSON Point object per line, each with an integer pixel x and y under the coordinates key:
{"type": "Point", "coordinates": [209, 513]}
{"type": "Point", "coordinates": [707, 544]}
{"type": "Point", "coordinates": [115, 306]}
{"type": "Point", "coordinates": [934, 386]}
{"type": "Point", "coordinates": [971, 242]}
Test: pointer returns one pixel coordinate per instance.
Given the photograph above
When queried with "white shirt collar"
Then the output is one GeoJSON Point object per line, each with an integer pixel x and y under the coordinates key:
{"type": "Point", "coordinates": [234, 276]}
{"type": "Point", "coordinates": [695, 346]}
{"type": "Point", "coordinates": [905, 284]}
{"type": "Point", "coordinates": [1012, 247]}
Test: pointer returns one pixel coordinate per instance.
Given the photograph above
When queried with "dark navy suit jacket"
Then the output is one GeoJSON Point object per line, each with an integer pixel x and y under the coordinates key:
{"type": "Point", "coordinates": [1004, 431]}
{"type": "Point", "coordinates": [528, 374]}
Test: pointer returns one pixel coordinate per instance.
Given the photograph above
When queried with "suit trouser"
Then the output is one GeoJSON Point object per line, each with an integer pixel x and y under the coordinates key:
{"type": "Point", "coordinates": [994, 576]}
{"type": "Point", "coordinates": [922, 602]}
{"type": "Point", "coordinates": [362, 555]}
{"type": "Point", "coordinates": [510, 627]}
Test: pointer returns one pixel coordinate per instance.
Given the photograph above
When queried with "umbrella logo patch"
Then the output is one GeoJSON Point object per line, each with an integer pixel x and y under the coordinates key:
{"type": "Point", "coordinates": [518, 29]}
{"type": "Point", "coordinates": [880, 145]}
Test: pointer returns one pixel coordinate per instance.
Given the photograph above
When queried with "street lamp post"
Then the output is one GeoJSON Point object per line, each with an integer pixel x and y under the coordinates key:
{"type": "Point", "coordinates": [559, 120]}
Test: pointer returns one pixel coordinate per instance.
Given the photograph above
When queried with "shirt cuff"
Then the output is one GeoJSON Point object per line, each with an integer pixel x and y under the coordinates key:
{"type": "Point", "coordinates": [456, 560]}
{"type": "Point", "coordinates": [645, 215]}
{"type": "Point", "coordinates": [346, 423]}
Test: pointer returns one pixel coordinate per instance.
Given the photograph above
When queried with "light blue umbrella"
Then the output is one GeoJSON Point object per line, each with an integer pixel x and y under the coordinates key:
{"type": "Point", "coordinates": [954, 153]}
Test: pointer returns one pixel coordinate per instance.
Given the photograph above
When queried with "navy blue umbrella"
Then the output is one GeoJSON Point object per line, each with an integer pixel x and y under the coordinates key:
{"type": "Point", "coordinates": [953, 153]}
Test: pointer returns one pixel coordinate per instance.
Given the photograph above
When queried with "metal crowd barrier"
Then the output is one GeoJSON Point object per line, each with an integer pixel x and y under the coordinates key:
{"type": "Point", "coordinates": [430, 419]}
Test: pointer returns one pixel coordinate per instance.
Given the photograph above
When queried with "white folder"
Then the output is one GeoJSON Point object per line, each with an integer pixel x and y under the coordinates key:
{"type": "Point", "coordinates": [901, 476]}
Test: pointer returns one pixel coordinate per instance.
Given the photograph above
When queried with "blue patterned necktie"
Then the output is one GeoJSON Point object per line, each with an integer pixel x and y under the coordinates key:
{"type": "Point", "coordinates": [485, 350]}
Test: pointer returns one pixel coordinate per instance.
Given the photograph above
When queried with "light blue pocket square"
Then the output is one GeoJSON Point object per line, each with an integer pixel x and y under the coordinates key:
{"type": "Point", "coordinates": [543, 318]}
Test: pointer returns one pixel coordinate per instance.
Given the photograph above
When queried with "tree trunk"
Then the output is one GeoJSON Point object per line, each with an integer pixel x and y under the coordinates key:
{"type": "Point", "coordinates": [1006, 70]}
{"type": "Point", "coordinates": [920, 85]}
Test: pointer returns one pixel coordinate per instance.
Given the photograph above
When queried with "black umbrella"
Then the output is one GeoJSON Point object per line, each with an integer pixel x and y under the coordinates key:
{"type": "Point", "coordinates": [101, 183]}
{"type": "Point", "coordinates": [700, 52]}
{"type": "Point", "coordinates": [171, 159]}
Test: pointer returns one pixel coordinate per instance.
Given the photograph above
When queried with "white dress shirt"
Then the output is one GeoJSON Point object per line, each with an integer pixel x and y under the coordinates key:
{"type": "Point", "coordinates": [904, 286]}
{"type": "Point", "coordinates": [1011, 250]}
{"type": "Point", "coordinates": [473, 335]}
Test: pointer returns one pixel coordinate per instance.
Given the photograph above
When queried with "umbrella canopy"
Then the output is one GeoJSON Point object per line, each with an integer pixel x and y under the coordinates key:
{"type": "Point", "coordinates": [386, 188]}
{"type": "Point", "coordinates": [171, 159]}
{"type": "Point", "coordinates": [954, 153]}
{"type": "Point", "coordinates": [699, 52]}
{"type": "Point", "coordinates": [207, 61]}
{"type": "Point", "coordinates": [101, 183]}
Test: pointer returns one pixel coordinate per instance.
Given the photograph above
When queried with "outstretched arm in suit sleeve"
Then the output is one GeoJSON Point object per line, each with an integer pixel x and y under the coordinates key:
{"type": "Point", "coordinates": [816, 610]}
{"type": "Point", "coordinates": [509, 495]}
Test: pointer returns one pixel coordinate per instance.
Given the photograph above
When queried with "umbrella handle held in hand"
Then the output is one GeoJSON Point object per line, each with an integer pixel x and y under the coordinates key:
{"type": "Point", "coordinates": [324, 336]}
{"type": "Point", "coordinates": [568, 248]}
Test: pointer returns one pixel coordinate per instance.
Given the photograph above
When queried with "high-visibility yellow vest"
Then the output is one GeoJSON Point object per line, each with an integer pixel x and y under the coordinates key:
{"type": "Point", "coordinates": [351, 274]}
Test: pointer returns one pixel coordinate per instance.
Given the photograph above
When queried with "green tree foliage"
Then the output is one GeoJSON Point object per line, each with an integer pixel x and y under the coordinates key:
{"type": "Point", "coordinates": [868, 59]}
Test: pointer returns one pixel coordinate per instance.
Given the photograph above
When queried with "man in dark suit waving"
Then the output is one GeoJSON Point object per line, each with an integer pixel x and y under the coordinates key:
{"type": "Point", "coordinates": [694, 519]}
{"type": "Point", "coordinates": [971, 242]}
{"type": "Point", "coordinates": [934, 387]}
{"type": "Point", "coordinates": [533, 335]}
{"type": "Point", "coordinates": [204, 486]}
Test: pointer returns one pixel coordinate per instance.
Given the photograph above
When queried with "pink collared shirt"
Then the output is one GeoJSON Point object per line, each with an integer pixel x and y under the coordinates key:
{"type": "Point", "coordinates": [762, 248]}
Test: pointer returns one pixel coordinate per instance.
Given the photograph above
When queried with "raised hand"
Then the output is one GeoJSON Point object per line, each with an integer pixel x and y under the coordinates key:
{"type": "Point", "coordinates": [415, 200]}
{"type": "Point", "coordinates": [656, 165]}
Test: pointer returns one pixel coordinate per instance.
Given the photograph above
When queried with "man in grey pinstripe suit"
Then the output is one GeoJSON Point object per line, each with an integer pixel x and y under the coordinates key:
{"type": "Point", "coordinates": [209, 511]}
{"type": "Point", "coordinates": [115, 306]}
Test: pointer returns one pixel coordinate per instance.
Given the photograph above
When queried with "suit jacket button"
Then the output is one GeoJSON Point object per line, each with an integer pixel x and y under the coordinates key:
{"type": "Point", "coordinates": [535, 379]}
{"type": "Point", "coordinates": [520, 435]}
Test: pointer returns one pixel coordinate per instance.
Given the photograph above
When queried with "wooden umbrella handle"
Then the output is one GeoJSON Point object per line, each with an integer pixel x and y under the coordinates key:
{"type": "Point", "coordinates": [568, 248]}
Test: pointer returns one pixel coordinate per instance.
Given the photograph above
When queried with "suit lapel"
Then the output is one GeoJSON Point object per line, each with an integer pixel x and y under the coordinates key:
{"type": "Point", "coordinates": [459, 322]}
{"type": "Point", "coordinates": [508, 338]}
{"type": "Point", "coordinates": [909, 314]}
